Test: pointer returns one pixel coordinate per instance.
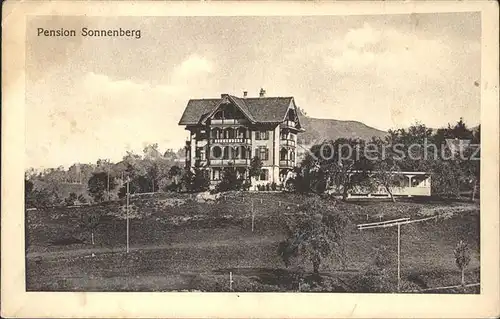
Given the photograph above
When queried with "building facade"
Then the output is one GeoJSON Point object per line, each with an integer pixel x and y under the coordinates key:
{"type": "Point", "coordinates": [230, 131]}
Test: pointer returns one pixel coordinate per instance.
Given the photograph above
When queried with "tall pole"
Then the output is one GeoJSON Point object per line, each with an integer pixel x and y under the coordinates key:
{"type": "Point", "coordinates": [399, 257]}
{"type": "Point", "coordinates": [391, 223]}
{"type": "Point", "coordinates": [128, 195]}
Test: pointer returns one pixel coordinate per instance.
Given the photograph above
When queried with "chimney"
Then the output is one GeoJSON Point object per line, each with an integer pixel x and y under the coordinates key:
{"type": "Point", "coordinates": [262, 92]}
{"type": "Point", "coordinates": [245, 93]}
{"type": "Point", "coordinates": [223, 95]}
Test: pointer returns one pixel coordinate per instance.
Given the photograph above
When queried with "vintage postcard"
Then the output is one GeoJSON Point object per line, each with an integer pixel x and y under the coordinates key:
{"type": "Point", "coordinates": [260, 159]}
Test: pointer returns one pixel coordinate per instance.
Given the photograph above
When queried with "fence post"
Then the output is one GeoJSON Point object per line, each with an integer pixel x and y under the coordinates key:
{"type": "Point", "coordinates": [231, 281]}
{"type": "Point", "coordinates": [399, 257]}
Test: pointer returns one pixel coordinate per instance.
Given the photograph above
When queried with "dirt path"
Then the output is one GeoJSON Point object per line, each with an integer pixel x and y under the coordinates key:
{"type": "Point", "coordinates": [87, 252]}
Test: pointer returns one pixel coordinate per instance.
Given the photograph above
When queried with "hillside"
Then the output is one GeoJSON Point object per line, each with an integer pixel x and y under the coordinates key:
{"type": "Point", "coordinates": [320, 129]}
{"type": "Point", "coordinates": [178, 242]}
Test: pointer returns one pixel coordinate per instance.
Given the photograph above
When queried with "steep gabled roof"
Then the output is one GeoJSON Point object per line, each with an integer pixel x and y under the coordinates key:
{"type": "Point", "coordinates": [268, 109]}
{"type": "Point", "coordinates": [258, 110]}
{"type": "Point", "coordinates": [196, 110]}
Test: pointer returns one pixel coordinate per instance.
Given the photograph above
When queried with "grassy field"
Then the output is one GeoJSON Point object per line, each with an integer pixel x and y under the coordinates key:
{"type": "Point", "coordinates": [178, 243]}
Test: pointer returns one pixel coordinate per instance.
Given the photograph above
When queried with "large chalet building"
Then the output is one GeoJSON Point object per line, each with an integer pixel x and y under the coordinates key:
{"type": "Point", "coordinates": [232, 130]}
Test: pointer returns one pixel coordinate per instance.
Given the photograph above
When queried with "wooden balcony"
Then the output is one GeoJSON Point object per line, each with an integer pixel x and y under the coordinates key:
{"type": "Point", "coordinates": [287, 163]}
{"type": "Point", "coordinates": [288, 124]}
{"type": "Point", "coordinates": [228, 121]}
{"type": "Point", "coordinates": [227, 162]}
{"type": "Point", "coordinates": [231, 141]}
{"type": "Point", "coordinates": [287, 142]}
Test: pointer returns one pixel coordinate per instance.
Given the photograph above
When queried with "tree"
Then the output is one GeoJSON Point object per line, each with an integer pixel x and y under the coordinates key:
{"type": "Point", "coordinates": [151, 151]}
{"type": "Point", "coordinates": [196, 181]}
{"type": "Point", "coordinates": [175, 173]}
{"type": "Point", "coordinates": [316, 234]}
{"type": "Point", "coordinates": [201, 181]}
{"type": "Point", "coordinates": [171, 154]}
{"type": "Point", "coordinates": [341, 163]}
{"type": "Point", "coordinates": [104, 165]}
{"type": "Point", "coordinates": [98, 184]}
{"type": "Point", "coordinates": [255, 167]}
{"type": "Point", "coordinates": [231, 179]}
{"type": "Point", "coordinates": [410, 147]}
{"type": "Point", "coordinates": [462, 258]}
{"type": "Point", "coordinates": [386, 170]}
{"type": "Point", "coordinates": [44, 198]}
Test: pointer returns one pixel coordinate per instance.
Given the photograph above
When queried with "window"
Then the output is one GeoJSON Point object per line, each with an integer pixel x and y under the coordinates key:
{"type": "Point", "coordinates": [216, 152]}
{"type": "Point", "coordinates": [236, 152]}
{"type": "Point", "coordinates": [227, 152]}
{"type": "Point", "coordinates": [242, 132]}
{"type": "Point", "coordinates": [283, 154]}
{"type": "Point", "coordinates": [200, 153]}
{"type": "Point", "coordinates": [261, 135]}
{"type": "Point", "coordinates": [264, 175]}
{"type": "Point", "coordinates": [215, 174]}
{"type": "Point", "coordinates": [262, 153]}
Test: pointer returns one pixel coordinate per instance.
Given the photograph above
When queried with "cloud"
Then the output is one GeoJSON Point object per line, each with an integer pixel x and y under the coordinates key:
{"type": "Point", "coordinates": [193, 65]}
{"type": "Point", "coordinates": [361, 37]}
{"type": "Point", "coordinates": [94, 116]}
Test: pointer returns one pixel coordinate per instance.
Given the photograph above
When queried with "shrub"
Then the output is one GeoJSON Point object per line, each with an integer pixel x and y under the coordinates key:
{"type": "Point", "coordinates": [274, 186]}
{"type": "Point", "coordinates": [197, 181]}
{"type": "Point", "coordinates": [71, 199]}
{"type": "Point", "coordinates": [98, 185]}
{"type": "Point", "coordinates": [230, 180]}
{"type": "Point", "coordinates": [246, 185]}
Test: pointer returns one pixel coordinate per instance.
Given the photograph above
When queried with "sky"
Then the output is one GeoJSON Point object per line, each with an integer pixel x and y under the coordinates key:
{"type": "Point", "coordinates": [91, 98]}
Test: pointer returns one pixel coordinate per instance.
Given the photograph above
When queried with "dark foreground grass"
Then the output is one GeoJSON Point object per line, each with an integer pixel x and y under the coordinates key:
{"type": "Point", "coordinates": [194, 246]}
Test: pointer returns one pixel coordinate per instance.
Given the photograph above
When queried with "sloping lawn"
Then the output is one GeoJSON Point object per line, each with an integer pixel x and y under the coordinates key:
{"type": "Point", "coordinates": [193, 246]}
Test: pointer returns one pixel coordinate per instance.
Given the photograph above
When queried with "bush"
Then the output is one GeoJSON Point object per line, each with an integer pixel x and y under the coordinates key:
{"type": "Point", "coordinates": [44, 198]}
{"type": "Point", "coordinates": [199, 181]}
{"type": "Point", "coordinates": [71, 199]}
{"type": "Point", "coordinates": [230, 180]}
{"type": "Point", "coordinates": [98, 185]}
{"type": "Point", "coordinates": [246, 185]}
{"type": "Point", "coordinates": [274, 186]}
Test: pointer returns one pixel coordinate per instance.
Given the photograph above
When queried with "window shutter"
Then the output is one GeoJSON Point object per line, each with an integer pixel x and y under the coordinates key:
{"type": "Point", "coordinates": [267, 154]}
{"type": "Point", "coordinates": [257, 135]}
{"type": "Point", "coordinates": [257, 152]}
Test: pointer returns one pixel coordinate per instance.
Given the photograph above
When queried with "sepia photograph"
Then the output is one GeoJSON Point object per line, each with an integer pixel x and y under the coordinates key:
{"type": "Point", "coordinates": [284, 153]}
{"type": "Point", "coordinates": [247, 158]}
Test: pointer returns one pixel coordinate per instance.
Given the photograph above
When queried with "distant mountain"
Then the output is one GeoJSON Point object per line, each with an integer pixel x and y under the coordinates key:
{"type": "Point", "coordinates": [329, 129]}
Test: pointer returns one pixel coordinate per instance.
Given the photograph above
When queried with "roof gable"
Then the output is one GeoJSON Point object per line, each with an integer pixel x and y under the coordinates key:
{"type": "Point", "coordinates": [236, 102]}
{"type": "Point", "coordinates": [257, 110]}
{"type": "Point", "coordinates": [197, 109]}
